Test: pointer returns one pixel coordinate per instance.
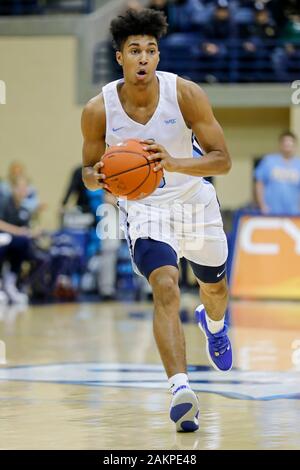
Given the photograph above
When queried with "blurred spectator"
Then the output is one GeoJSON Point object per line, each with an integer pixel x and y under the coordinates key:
{"type": "Point", "coordinates": [15, 211]}
{"type": "Point", "coordinates": [37, 7]}
{"type": "Point", "coordinates": [242, 10]}
{"type": "Point", "coordinates": [30, 202]}
{"type": "Point", "coordinates": [15, 170]}
{"type": "Point", "coordinates": [215, 46]}
{"type": "Point", "coordinates": [258, 43]}
{"type": "Point", "coordinates": [102, 252]}
{"type": "Point", "coordinates": [262, 27]}
{"type": "Point", "coordinates": [278, 179]}
{"type": "Point", "coordinates": [186, 15]}
{"type": "Point", "coordinates": [78, 210]}
{"type": "Point", "coordinates": [286, 58]}
{"type": "Point", "coordinates": [16, 250]}
{"type": "Point", "coordinates": [291, 32]}
{"type": "Point", "coordinates": [220, 25]}
{"type": "Point", "coordinates": [15, 220]}
{"type": "Point", "coordinates": [78, 191]}
{"type": "Point", "coordinates": [20, 7]}
{"type": "Point", "coordinates": [100, 273]}
{"type": "Point", "coordinates": [278, 10]}
{"type": "Point", "coordinates": [291, 7]}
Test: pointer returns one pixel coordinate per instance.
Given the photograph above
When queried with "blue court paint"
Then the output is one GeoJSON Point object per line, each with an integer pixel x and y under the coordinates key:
{"type": "Point", "coordinates": [236, 384]}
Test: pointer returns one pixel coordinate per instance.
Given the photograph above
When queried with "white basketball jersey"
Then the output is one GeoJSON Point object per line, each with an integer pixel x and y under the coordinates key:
{"type": "Point", "coordinates": [166, 127]}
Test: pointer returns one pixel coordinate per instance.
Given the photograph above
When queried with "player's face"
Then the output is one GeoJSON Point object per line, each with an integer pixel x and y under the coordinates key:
{"type": "Point", "coordinates": [139, 58]}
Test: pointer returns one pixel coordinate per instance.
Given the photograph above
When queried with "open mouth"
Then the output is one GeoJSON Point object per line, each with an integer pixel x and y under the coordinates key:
{"type": "Point", "coordinates": [141, 73]}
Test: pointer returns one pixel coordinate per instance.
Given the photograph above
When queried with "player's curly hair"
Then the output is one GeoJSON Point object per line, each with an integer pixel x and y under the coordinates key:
{"type": "Point", "coordinates": [146, 21]}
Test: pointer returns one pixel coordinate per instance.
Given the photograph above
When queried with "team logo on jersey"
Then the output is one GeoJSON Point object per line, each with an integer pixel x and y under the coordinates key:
{"type": "Point", "coordinates": [170, 121]}
{"type": "Point", "coordinates": [237, 384]}
{"type": "Point", "coordinates": [115, 129]}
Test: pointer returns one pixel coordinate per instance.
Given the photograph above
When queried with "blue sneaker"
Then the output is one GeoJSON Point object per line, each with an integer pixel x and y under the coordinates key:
{"type": "Point", "coordinates": [184, 410]}
{"type": "Point", "coordinates": [218, 346]}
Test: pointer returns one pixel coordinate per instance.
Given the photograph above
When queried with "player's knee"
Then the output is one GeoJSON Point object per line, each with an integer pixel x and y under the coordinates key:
{"type": "Point", "coordinates": [165, 292]}
{"type": "Point", "coordinates": [217, 290]}
{"type": "Point", "coordinates": [165, 287]}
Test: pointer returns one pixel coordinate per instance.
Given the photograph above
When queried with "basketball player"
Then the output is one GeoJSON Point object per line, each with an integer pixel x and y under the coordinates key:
{"type": "Point", "coordinates": [165, 112]}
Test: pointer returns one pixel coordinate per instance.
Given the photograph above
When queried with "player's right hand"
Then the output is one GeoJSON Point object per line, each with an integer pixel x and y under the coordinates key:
{"type": "Point", "coordinates": [99, 177]}
{"type": "Point", "coordinates": [93, 178]}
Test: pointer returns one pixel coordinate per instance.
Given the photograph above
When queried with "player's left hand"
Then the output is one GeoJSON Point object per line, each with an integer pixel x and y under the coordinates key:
{"type": "Point", "coordinates": [161, 157]}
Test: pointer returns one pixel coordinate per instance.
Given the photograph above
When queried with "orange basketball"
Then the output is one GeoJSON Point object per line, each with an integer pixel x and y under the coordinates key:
{"type": "Point", "coordinates": [129, 174]}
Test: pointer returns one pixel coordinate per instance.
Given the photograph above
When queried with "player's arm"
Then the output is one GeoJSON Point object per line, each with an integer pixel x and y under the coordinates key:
{"type": "Point", "coordinates": [93, 123]}
{"type": "Point", "coordinates": [198, 115]}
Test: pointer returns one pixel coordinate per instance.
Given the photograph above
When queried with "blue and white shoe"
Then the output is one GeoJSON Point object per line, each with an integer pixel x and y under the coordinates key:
{"type": "Point", "coordinates": [184, 410]}
{"type": "Point", "coordinates": [218, 346]}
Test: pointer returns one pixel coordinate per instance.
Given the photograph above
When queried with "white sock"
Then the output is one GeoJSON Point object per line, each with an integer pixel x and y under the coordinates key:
{"type": "Point", "coordinates": [213, 325]}
{"type": "Point", "coordinates": [177, 381]}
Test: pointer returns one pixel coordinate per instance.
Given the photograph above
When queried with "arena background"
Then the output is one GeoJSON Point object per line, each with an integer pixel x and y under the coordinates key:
{"type": "Point", "coordinates": [47, 68]}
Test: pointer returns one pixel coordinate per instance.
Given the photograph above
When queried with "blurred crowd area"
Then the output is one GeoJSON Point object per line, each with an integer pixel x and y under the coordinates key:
{"type": "Point", "coordinates": [226, 40]}
{"type": "Point", "coordinates": [74, 263]}
{"type": "Point", "coordinates": [70, 263]}
{"type": "Point", "coordinates": [42, 7]}
{"type": "Point", "coordinates": [213, 17]}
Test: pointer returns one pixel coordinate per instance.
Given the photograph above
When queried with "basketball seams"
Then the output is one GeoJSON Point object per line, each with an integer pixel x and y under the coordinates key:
{"type": "Point", "coordinates": [132, 152]}
{"type": "Point", "coordinates": [114, 152]}
{"type": "Point", "coordinates": [127, 171]}
{"type": "Point", "coordinates": [146, 177]}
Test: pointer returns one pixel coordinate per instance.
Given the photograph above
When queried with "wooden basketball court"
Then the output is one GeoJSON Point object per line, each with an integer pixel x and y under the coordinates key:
{"type": "Point", "coordinates": [88, 376]}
